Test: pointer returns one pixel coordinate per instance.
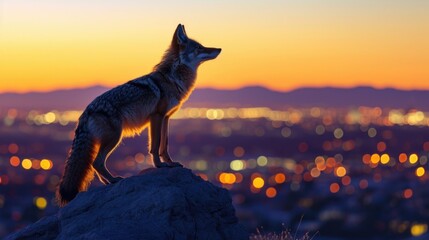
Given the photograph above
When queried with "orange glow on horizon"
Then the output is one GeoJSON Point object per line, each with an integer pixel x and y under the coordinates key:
{"type": "Point", "coordinates": [276, 44]}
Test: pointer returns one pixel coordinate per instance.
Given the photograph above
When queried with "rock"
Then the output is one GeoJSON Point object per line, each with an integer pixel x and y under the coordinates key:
{"type": "Point", "coordinates": [165, 203]}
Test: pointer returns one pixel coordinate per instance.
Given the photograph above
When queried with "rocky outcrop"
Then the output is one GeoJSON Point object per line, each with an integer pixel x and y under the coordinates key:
{"type": "Point", "coordinates": [166, 203]}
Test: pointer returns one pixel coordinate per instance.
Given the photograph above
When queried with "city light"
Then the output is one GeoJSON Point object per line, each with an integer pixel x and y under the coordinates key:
{"type": "Point", "coordinates": [338, 133]}
{"type": "Point", "coordinates": [334, 187]}
{"type": "Point", "coordinates": [372, 132]}
{"type": "Point", "coordinates": [26, 164]}
{"type": "Point", "coordinates": [381, 146]}
{"type": "Point", "coordinates": [40, 202]}
{"type": "Point", "coordinates": [348, 153]}
{"type": "Point", "coordinates": [227, 178]}
{"type": "Point", "coordinates": [238, 151]}
{"type": "Point", "coordinates": [363, 184]}
{"type": "Point", "coordinates": [49, 117]}
{"type": "Point", "coordinates": [420, 171]}
{"type": "Point", "coordinates": [340, 171]}
{"type": "Point", "coordinates": [413, 158]}
{"type": "Point", "coordinates": [258, 182]}
{"type": "Point", "coordinates": [385, 158]}
{"type": "Point", "coordinates": [418, 229]}
{"type": "Point", "coordinates": [280, 178]}
{"type": "Point", "coordinates": [403, 157]}
{"type": "Point", "coordinates": [375, 158]}
{"type": "Point", "coordinates": [46, 164]}
{"type": "Point", "coordinates": [13, 148]}
{"type": "Point", "coordinates": [408, 193]}
{"type": "Point", "coordinates": [237, 165]}
{"type": "Point", "coordinates": [14, 161]}
{"type": "Point", "coordinates": [271, 192]}
{"type": "Point", "coordinates": [262, 161]}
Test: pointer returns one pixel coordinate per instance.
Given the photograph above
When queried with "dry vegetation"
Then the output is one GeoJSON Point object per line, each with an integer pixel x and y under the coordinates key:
{"type": "Point", "coordinates": [284, 235]}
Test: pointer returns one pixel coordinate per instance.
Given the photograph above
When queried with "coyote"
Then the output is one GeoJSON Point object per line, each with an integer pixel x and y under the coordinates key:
{"type": "Point", "coordinates": [126, 110]}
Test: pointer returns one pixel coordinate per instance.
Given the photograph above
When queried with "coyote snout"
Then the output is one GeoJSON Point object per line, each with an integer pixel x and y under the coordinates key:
{"type": "Point", "coordinates": [126, 110]}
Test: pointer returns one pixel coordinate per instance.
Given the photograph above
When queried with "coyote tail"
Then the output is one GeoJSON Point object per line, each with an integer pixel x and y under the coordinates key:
{"type": "Point", "coordinates": [78, 171]}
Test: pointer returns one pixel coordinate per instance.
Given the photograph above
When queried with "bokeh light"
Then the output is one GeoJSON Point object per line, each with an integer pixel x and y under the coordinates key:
{"type": "Point", "coordinates": [334, 187]}
{"type": "Point", "coordinates": [14, 161]}
{"type": "Point", "coordinates": [237, 165]}
{"type": "Point", "coordinates": [408, 193]}
{"type": "Point", "coordinates": [413, 158]}
{"type": "Point", "coordinates": [227, 178]}
{"type": "Point", "coordinates": [418, 229]}
{"type": "Point", "coordinates": [280, 178]}
{"type": "Point", "coordinates": [46, 164]}
{"type": "Point", "coordinates": [26, 164]}
{"type": "Point", "coordinates": [262, 161]}
{"type": "Point", "coordinates": [340, 171]}
{"type": "Point", "coordinates": [271, 192]}
{"type": "Point", "coordinates": [41, 202]}
{"type": "Point", "coordinates": [420, 171]}
{"type": "Point", "coordinates": [258, 182]}
{"type": "Point", "coordinates": [385, 158]}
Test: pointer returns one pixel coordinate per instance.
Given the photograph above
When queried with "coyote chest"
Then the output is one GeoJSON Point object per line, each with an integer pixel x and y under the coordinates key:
{"type": "Point", "coordinates": [148, 95]}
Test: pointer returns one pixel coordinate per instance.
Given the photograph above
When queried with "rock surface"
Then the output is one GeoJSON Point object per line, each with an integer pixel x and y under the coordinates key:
{"type": "Point", "coordinates": [166, 203]}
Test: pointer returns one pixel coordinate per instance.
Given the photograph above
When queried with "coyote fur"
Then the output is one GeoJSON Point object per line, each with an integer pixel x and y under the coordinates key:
{"type": "Point", "coordinates": [126, 110]}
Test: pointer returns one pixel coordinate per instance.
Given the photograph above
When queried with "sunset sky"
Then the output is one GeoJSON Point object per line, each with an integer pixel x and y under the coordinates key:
{"type": "Point", "coordinates": [279, 44]}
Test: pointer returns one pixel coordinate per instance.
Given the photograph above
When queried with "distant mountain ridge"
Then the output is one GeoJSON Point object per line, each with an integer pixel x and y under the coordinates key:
{"type": "Point", "coordinates": [253, 96]}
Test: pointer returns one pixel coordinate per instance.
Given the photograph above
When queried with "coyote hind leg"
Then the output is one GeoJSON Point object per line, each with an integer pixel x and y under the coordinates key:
{"type": "Point", "coordinates": [106, 148]}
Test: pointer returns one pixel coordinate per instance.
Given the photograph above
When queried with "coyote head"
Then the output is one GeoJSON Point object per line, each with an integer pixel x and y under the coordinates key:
{"type": "Point", "coordinates": [190, 52]}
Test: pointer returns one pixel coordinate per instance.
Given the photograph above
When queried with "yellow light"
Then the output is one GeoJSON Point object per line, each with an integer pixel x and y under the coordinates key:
{"type": "Point", "coordinates": [340, 171]}
{"type": "Point", "coordinates": [262, 161]}
{"type": "Point", "coordinates": [236, 165]}
{"type": "Point", "coordinates": [41, 202]}
{"type": "Point", "coordinates": [26, 163]}
{"type": "Point", "coordinates": [385, 158]}
{"type": "Point", "coordinates": [45, 164]}
{"type": "Point", "coordinates": [418, 229]}
{"type": "Point", "coordinates": [49, 117]}
{"type": "Point", "coordinates": [258, 182]}
{"type": "Point", "coordinates": [413, 158]}
{"type": "Point", "coordinates": [420, 171]}
{"type": "Point", "coordinates": [213, 114]}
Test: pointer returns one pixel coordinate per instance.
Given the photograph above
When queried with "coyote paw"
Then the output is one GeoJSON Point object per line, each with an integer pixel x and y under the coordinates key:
{"type": "Point", "coordinates": [162, 165]}
{"type": "Point", "coordinates": [168, 164]}
{"type": "Point", "coordinates": [175, 164]}
{"type": "Point", "coordinates": [116, 179]}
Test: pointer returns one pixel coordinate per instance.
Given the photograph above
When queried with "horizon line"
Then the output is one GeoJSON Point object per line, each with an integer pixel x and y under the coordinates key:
{"type": "Point", "coordinates": [229, 89]}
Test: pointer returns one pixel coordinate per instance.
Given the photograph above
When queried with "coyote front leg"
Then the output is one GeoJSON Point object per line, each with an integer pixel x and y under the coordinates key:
{"type": "Point", "coordinates": [155, 139]}
{"type": "Point", "coordinates": [163, 150]}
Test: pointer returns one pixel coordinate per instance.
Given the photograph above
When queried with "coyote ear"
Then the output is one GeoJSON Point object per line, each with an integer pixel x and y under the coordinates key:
{"type": "Point", "coordinates": [180, 35]}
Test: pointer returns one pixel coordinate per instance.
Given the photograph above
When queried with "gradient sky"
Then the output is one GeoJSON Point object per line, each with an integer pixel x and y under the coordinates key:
{"type": "Point", "coordinates": [50, 44]}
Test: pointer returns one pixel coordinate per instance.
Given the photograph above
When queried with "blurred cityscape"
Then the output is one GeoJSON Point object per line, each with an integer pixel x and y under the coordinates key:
{"type": "Point", "coordinates": [356, 173]}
